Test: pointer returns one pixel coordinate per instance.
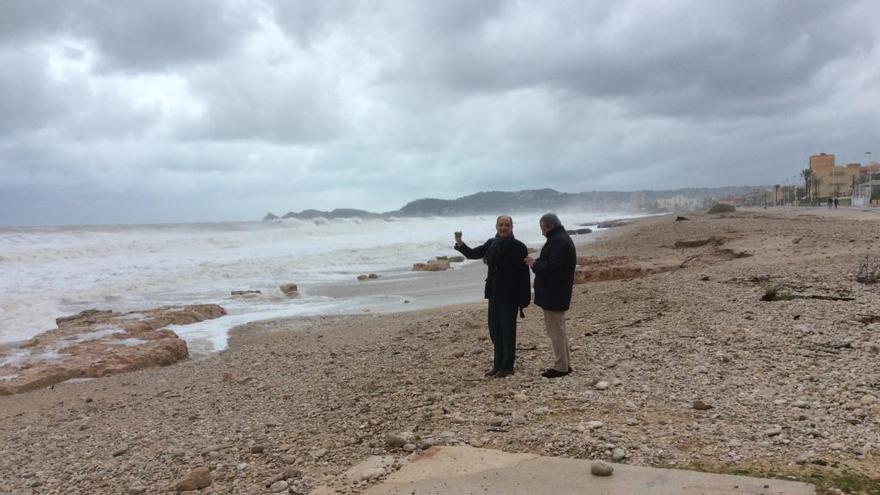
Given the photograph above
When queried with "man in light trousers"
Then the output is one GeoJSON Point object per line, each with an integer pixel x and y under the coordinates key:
{"type": "Point", "coordinates": [554, 278]}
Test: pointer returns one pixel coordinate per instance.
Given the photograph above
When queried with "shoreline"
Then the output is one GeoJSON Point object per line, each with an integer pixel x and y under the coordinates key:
{"type": "Point", "coordinates": [792, 386]}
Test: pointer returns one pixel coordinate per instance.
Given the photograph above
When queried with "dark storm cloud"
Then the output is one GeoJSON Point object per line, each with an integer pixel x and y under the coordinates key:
{"type": "Point", "coordinates": [232, 108]}
{"type": "Point", "coordinates": [139, 35]}
{"type": "Point", "coordinates": [673, 58]}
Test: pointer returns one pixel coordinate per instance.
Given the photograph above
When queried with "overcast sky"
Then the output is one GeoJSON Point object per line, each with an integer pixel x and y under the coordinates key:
{"type": "Point", "coordinates": [189, 110]}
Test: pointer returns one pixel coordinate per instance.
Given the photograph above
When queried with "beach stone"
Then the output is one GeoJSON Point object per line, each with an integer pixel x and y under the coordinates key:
{"type": "Point", "coordinates": [632, 421]}
{"type": "Point", "coordinates": [699, 405]}
{"type": "Point", "coordinates": [397, 440]}
{"type": "Point", "coordinates": [594, 425]}
{"type": "Point", "coordinates": [197, 479]}
{"type": "Point", "coordinates": [257, 449]}
{"type": "Point", "coordinates": [520, 397]}
{"type": "Point", "coordinates": [618, 454]}
{"type": "Point", "coordinates": [137, 489]}
{"type": "Point", "coordinates": [362, 277]}
{"type": "Point", "coordinates": [601, 468]}
{"type": "Point", "coordinates": [601, 385]}
{"type": "Point", "coordinates": [773, 431]}
{"type": "Point", "coordinates": [278, 486]}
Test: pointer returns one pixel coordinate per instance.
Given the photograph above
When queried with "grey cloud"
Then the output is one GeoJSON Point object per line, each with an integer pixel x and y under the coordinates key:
{"type": "Point", "coordinates": [139, 35]}
{"type": "Point", "coordinates": [743, 58]}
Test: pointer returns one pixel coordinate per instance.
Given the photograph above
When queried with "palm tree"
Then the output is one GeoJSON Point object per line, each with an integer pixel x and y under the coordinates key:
{"type": "Point", "coordinates": [817, 183]}
{"type": "Point", "coordinates": [807, 175]}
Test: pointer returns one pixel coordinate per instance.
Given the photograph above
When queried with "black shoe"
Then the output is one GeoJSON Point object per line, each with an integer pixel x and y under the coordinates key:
{"type": "Point", "coordinates": [491, 372]}
{"type": "Point", "coordinates": [503, 374]}
{"type": "Point", "coordinates": [551, 373]}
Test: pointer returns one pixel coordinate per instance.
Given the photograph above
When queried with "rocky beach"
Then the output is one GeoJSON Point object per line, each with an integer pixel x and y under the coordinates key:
{"type": "Point", "coordinates": [737, 342]}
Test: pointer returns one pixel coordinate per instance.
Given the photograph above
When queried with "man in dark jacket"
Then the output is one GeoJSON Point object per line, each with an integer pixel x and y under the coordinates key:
{"type": "Point", "coordinates": [554, 278]}
{"type": "Point", "coordinates": [507, 289]}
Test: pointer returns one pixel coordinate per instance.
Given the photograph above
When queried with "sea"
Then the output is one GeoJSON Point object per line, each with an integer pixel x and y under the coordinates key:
{"type": "Point", "coordinates": [47, 272]}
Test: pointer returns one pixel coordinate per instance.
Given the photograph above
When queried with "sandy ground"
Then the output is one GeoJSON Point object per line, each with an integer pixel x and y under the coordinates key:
{"type": "Point", "coordinates": [687, 368]}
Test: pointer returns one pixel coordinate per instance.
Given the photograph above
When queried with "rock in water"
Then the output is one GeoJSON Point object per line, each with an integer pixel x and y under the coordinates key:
{"type": "Point", "coordinates": [431, 266]}
{"type": "Point", "coordinates": [601, 468]}
{"type": "Point", "coordinates": [197, 479]}
{"type": "Point", "coordinates": [289, 290]}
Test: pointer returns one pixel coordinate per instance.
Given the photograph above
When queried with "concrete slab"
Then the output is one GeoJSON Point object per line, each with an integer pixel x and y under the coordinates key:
{"type": "Point", "coordinates": [467, 470]}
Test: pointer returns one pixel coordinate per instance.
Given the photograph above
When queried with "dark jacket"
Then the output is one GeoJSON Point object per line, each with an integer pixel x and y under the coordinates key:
{"type": "Point", "coordinates": [508, 276]}
{"type": "Point", "coordinates": [554, 271]}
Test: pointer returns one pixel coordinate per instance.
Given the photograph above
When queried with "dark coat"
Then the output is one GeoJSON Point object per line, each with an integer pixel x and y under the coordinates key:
{"type": "Point", "coordinates": [554, 271]}
{"type": "Point", "coordinates": [507, 278]}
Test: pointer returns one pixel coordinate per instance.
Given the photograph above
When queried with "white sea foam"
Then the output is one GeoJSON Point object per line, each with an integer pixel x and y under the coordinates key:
{"type": "Point", "coordinates": [47, 272]}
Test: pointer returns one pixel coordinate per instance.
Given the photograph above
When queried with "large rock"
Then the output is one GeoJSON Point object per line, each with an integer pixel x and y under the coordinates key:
{"type": "Point", "coordinates": [290, 290]}
{"type": "Point", "coordinates": [431, 266]}
{"type": "Point", "coordinates": [95, 343]}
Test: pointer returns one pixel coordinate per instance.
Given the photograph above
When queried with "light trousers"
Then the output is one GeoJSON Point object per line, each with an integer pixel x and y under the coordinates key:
{"type": "Point", "coordinates": [554, 322]}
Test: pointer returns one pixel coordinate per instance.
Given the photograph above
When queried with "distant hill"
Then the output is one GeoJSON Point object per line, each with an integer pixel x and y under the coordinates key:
{"type": "Point", "coordinates": [337, 213]}
{"type": "Point", "coordinates": [490, 202]}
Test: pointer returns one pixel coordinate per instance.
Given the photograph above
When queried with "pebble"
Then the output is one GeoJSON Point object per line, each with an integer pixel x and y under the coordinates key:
{"type": "Point", "coordinates": [595, 425]}
{"type": "Point", "coordinates": [601, 385]}
{"type": "Point", "coordinates": [618, 454]}
{"type": "Point", "coordinates": [773, 431]}
{"type": "Point", "coordinates": [699, 405]}
{"type": "Point", "coordinates": [601, 468]}
{"type": "Point", "coordinates": [632, 421]}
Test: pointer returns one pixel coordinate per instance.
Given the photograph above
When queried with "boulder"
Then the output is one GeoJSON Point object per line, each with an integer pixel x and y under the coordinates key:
{"type": "Point", "coordinates": [94, 343]}
{"type": "Point", "coordinates": [611, 224]}
{"type": "Point", "coordinates": [431, 266]}
{"type": "Point", "coordinates": [578, 231]}
{"type": "Point", "coordinates": [456, 259]}
{"type": "Point", "coordinates": [362, 277]}
{"type": "Point", "coordinates": [289, 290]}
